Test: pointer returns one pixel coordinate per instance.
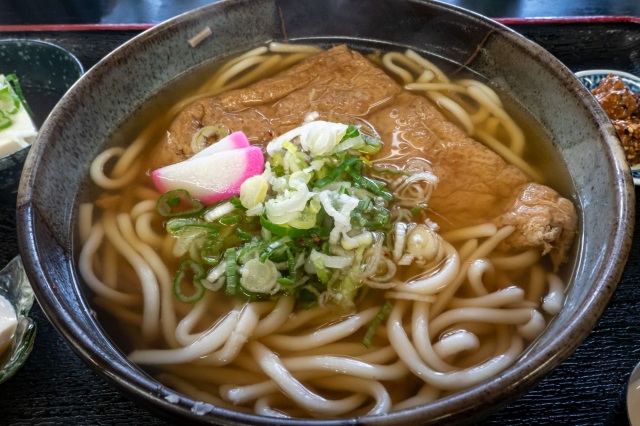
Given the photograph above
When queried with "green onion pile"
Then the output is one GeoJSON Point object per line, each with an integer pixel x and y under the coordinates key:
{"type": "Point", "coordinates": [302, 228]}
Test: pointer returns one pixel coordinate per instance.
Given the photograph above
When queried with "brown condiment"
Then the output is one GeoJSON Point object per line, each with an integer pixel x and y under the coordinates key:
{"type": "Point", "coordinates": [623, 107]}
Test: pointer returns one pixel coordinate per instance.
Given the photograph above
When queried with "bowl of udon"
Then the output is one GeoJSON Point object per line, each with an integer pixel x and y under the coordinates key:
{"type": "Point", "coordinates": [383, 212]}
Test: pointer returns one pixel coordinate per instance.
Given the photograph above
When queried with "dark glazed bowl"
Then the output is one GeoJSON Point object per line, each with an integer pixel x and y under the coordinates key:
{"type": "Point", "coordinates": [46, 72]}
{"type": "Point", "coordinates": [78, 128]}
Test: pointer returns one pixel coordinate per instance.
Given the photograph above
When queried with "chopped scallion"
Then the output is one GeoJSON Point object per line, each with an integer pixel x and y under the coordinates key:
{"type": "Point", "coordinates": [178, 203]}
{"type": "Point", "coordinates": [196, 273]}
{"type": "Point", "coordinates": [382, 314]}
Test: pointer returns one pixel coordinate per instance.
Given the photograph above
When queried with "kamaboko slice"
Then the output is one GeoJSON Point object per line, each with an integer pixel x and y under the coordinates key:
{"type": "Point", "coordinates": [213, 177]}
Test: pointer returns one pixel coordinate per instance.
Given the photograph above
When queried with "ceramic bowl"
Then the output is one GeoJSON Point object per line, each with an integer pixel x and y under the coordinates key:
{"type": "Point", "coordinates": [117, 86]}
{"type": "Point", "coordinates": [46, 71]}
{"type": "Point", "coordinates": [591, 79]}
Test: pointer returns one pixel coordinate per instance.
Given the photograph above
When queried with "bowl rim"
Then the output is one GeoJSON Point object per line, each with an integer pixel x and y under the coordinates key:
{"type": "Point", "coordinates": [136, 383]}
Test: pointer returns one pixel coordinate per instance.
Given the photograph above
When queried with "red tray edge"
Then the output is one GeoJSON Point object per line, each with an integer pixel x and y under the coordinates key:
{"type": "Point", "coordinates": [142, 27]}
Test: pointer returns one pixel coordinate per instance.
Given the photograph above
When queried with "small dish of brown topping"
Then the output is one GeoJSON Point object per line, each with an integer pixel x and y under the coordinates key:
{"type": "Point", "coordinates": [619, 95]}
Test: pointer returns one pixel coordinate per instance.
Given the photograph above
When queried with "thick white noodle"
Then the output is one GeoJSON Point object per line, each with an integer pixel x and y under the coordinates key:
{"type": "Point", "coordinates": [110, 265]}
{"type": "Point", "coordinates": [254, 67]}
{"type": "Point", "coordinates": [454, 343]}
{"type": "Point", "coordinates": [454, 87]}
{"type": "Point", "coordinates": [554, 300]}
{"type": "Point", "coordinates": [477, 231]}
{"type": "Point", "coordinates": [263, 406]}
{"type": "Point", "coordinates": [438, 281]}
{"type": "Point", "coordinates": [446, 319]}
{"type": "Point", "coordinates": [161, 280]}
{"type": "Point", "coordinates": [300, 394]}
{"type": "Point", "coordinates": [508, 155]}
{"type": "Point", "coordinates": [426, 394]}
{"type": "Point", "coordinates": [144, 206]}
{"type": "Point", "coordinates": [85, 221]}
{"type": "Point", "coordinates": [303, 318]}
{"type": "Point", "coordinates": [523, 260]}
{"type": "Point", "coordinates": [428, 65]}
{"type": "Point", "coordinates": [145, 231]}
{"type": "Point", "coordinates": [426, 76]}
{"type": "Point", "coordinates": [214, 338]}
{"type": "Point", "coordinates": [277, 47]}
{"type": "Point", "coordinates": [516, 140]}
{"type": "Point", "coordinates": [240, 334]}
{"type": "Point", "coordinates": [324, 335]}
{"type": "Point", "coordinates": [450, 380]}
{"type": "Point", "coordinates": [401, 72]}
{"type": "Point", "coordinates": [347, 366]}
{"type": "Point", "coordinates": [496, 299]}
{"type": "Point", "coordinates": [87, 254]}
{"type": "Point", "coordinates": [97, 173]}
{"type": "Point", "coordinates": [360, 386]}
{"type": "Point", "coordinates": [276, 318]}
{"type": "Point", "coordinates": [537, 282]}
{"type": "Point", "coordinates": [184, 330]}
{"type": "Point", "coordinates": [455, 109]}
{"type": "Point", "coordinates": [534, 327]}
{"type": "Point", "coordinates": [475, 274]}
{"type": "Point", "coordinates": [422, 340]}
{"type": "Point", "coordinates": [146, 277]}
{"type": "Point", "coordinates": [488, 91]}
{"type": "Point", "coordinates": [129, 159]}
{"type": "Point", "coordinates": [482, 251]}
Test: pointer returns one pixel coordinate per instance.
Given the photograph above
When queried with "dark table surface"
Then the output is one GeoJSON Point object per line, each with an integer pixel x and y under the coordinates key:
{"type": "Point", "coordinates": [56, 387]}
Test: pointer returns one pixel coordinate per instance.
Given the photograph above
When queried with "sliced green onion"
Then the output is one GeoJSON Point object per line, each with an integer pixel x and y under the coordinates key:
{"type": "Point", "coordinates": [382, 314]}
{"type": "Point", "coordinates": [268, 251]}
{"type": "Point", "coordinates": [417, 209]}
{"type": "Point", "coordinates": [12, 79]}
{"type": "Point", "coordinates": [235, 201]}
{"type": "Point", "coordinates": [278, 170]}
{"type": "Point", "coordinates": [322, 272]}
{"type": "Point", "coordinates": [352, 132]}
{"type": "Point", "coordinates": [285, 282]}
{"type": "Point", "coordinates": [371, 185]}
{"type": "Point", "coordinates": [178, 203]}
{"type": "Point", "coordinates": [177, 224]}
{"type": "Point", "coordinates": [333, 174]}
{"type": "Point", "coordinates": [307, 295]}
{"type": "Point", "coordinates": [372, 145]}
{"type": "Point", "coordinates": [283, 231]}
{"type": "Point", "coordinates": [197, 273]}
{"type": "Point", "coordinates": [230, 219]}
{"type": "Point", "coordinates": [231, 272]}
{"type": "Point", "coordinates": [292, 261]}
{"type": "Point", "coordinates": [243, 235]}
{"type": "Point", "coordinates": [210, 253]}
{"type": "Point", "coordinates": [391, 172]}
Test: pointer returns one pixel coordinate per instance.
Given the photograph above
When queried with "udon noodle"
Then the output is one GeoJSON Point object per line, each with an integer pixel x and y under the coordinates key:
{"type": "Point", "coordinates": [461, 319]}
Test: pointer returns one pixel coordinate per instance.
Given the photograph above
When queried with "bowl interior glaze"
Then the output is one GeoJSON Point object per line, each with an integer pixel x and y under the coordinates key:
{"type": "Point", "coordinates": [79, 127]}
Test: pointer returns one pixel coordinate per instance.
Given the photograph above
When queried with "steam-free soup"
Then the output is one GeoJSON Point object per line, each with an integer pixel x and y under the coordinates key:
{"type": "Point", "coordinates": [392, 246]}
